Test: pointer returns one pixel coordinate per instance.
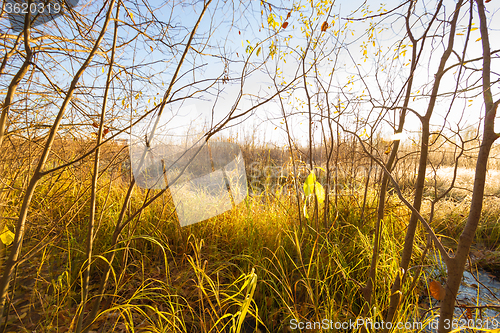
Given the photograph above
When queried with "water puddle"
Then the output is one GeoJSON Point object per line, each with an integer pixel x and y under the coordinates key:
{"type": "Point", "coordinates": [478, 290]}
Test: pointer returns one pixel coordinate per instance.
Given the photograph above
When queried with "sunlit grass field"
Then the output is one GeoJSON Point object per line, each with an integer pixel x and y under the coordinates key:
{"type": "Point", "coordinates": [258, 267]}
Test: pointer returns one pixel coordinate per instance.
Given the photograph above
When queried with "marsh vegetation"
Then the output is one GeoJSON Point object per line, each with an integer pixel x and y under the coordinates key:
{"type": "Point", "coordinates": [365, 141]}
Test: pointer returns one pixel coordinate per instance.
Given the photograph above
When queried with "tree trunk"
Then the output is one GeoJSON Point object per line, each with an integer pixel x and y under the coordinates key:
{"type": "Point", "coordinates": [456, 266]}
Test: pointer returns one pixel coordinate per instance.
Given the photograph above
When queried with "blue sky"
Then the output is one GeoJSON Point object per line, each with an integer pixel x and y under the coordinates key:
{"type": "Point", "coordinates": [230, 29]}
{"type": "Point", "coordinates": [464, 112]}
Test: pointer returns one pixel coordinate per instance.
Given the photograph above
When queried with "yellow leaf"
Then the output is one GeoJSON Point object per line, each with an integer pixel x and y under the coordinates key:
{"type": "Point", "coordinates": [7, 236]}
{"type": "Point", "coordinates": [460, 34]}
{"type": "Point", "coordinates": [320, 192]}
{"type": "Point", "coordinates": [477, 40]}
{"type": "Point", "coordinates": [309, 184]}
